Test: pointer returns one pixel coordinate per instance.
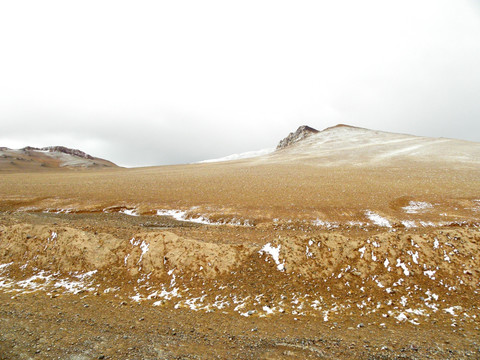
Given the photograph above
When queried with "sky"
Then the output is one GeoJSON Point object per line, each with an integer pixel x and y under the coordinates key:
{"type": "Point", "coordinates": [166, 82]}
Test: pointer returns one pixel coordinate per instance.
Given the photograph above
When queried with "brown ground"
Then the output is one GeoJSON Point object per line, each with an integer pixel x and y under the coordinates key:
{"type": "Point", "coordinates": [257, 191]}
{"type": "Point", "coordinates": [329, 300]}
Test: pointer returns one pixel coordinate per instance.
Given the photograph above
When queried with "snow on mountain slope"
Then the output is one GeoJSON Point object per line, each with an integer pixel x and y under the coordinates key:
{"type": "Point", "coordinates": [245, 155]}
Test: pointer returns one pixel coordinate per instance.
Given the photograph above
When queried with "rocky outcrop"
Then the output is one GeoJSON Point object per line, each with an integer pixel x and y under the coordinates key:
{"type": "Point", "coordinates": [69, 151]}
{"type": "Point", "coordinates": [302, 132]}
{"type": "Point", "coordinates": [62, 149]}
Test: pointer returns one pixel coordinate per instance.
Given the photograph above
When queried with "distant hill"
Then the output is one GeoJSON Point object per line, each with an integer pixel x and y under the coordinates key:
{"type": "Point", "coordinates": [49, 158]}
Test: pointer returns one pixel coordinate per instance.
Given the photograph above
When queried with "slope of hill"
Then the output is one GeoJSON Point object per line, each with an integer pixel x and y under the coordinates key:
{"type": "Point", "coordinates": [48, 158]}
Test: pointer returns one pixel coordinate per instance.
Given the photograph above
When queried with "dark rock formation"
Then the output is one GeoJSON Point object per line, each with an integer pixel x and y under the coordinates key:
{"type": "Point", "coordinates": [62, 149]}
{"type": "Point", "coordinates": [302, 132]}
{"type": "Point", "coordinates": [68, 151]}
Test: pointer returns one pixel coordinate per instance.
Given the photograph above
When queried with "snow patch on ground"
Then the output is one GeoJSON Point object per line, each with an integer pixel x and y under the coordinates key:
{"type": "Point", "coordinates": [377, 219]}
{"type": "Point", "coordinates": [414, 207]}
{"type": "Point", "coordinates": [362, 251]}
{"type": "Point", "coordinates": [430, 274]}
{"type": "Point", "coordinates": [409, 223]}
{"type": "Point", "coordinates": [274, 252]}
{"type": "Point", "coordinates": [130, 212]}
{"type": "Point", "coordinates": [325, 224]}
{"type": "Point", "coordinates": [44, 280]}
{"type": "Point", "coordinates": [181, 215]}
{"type": "Point", "coordinates": [403, 266]}
{"type": "Point", "coordinates": [451, 310]}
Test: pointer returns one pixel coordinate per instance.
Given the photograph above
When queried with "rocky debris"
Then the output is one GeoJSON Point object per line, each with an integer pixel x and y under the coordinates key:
{"type": "Point", "coordinates": [302, 132]}
{"type": "Point", "coordinates": [62, 328]}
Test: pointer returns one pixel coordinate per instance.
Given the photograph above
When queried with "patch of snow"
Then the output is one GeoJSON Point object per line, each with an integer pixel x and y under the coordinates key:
{"type": "Point", "coordinates": [414, 256]}
{"type": "Point", "coordinates": [420, 312]}
{"type": "Point", "coordinates": [451, 310]}
{"type": "Point", "coordinates": [85, 275]}
{"type": "Point", "coordinates": [401, 317]}
{"type": "Point", "coordinates": [326, 224]}
{"type": "Point", "coordinates": [168, 295]}
{"type": "Point", "coordinates": [362, 251]}
{"type": "Point", "coordinates": [4, 266]}
{"type": "Point", "coordinates": [432, 295]}
{"type": "Point", "coordinates": [356, 223]}
{"type": "Point", "coordinates": [409, 223]}
{"type": "Point", "coordinates": [377, 219]}
{"type": "Point", "coordinates": [130, 212]}
{"type": "Point", "coordinates": [430, 274]}
{"type": "Point", "coordinates": [267, 310]}
{"type": "Point", "coordinates": [181, 215]}
{"type": "Point", "coordinates": [308, 253]}
{"type": "Point", "coordinates": [136, 297]}
{"type": "Point", "coordinates": [415, 207]}
{"type": "Point", "coordinates": [275, 253]}
{"type": "Point", "coordinates": [435, 243]}
{"type": "Point", "coordinates": [73, 287]}
{"type": "Point", "coordinates": [403, 266]}
{"type": "Point", "coordinates": [36, 281]}
{"type": "Point", "coordinates": [144, 247]}
{"type": "Point", "coordinates": [427, 224]}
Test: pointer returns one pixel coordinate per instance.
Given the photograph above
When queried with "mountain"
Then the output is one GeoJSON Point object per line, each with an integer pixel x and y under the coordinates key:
{"type": "Point", "coordinates": [48, 158]}
{"type": "Point", "coordinates": [345, 145]}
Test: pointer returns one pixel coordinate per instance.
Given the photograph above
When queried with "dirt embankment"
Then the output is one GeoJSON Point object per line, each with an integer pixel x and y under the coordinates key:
{"type": "Point", "coordinates": [394, 272]}
{"type": "Point", "coordinates": [65, 250]}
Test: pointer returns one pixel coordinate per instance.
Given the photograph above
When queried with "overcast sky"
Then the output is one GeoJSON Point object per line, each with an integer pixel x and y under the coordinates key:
{"type": "Point", "coordinates": [165, 82]}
